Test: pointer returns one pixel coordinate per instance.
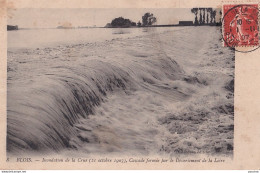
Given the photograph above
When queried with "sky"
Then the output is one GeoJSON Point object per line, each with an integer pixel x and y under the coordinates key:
{"type": "Point", "coordinates": [51, 18]}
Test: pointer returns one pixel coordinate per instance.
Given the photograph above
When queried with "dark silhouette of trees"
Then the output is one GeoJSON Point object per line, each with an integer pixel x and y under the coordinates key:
{"type": "Point", "coordinates": [139, 24]}
{"type": "Point", "coordinates": [195, 11]}
{"type": "Point", "coordinates": [121, 22]}
{"type": "Point", "coordinates": [205, 16]}
{"type": "Point", "coordinates": [220, 13]}
{"type": "Point", "coordinates": [200, 19]}
{"type": "Point", "coordinates": [208, 14]}
{"type": "Point", "coordinates": [133, 24]}
{"type": "Point", "coordinates": [213, 14]}
{"type": "Point", "coordinates": [148, 19]}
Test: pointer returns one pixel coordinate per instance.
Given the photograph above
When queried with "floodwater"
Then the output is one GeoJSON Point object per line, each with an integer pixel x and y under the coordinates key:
{"type": "Point", "coordinates": [138, 91]}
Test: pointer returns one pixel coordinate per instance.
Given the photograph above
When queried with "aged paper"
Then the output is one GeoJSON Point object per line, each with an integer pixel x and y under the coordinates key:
{"type": "Point", "coordinates": [120, 84]}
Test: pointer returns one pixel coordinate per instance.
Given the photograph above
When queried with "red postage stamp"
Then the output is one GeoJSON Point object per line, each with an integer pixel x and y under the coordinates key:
{"type": "Point", "coordinates": [240, 25]}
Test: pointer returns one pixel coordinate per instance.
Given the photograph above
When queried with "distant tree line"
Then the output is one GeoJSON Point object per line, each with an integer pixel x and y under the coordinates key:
{"type": "Point", "coordinates": [148, 19]}
{"type": "Point", "coordinates": [204, 16]}
{"type": "Point", "coordinates": [120, 22]}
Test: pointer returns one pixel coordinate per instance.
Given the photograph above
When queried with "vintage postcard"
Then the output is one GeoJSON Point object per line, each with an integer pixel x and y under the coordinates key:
{"type": "Point", "coordinates": [123, 84]}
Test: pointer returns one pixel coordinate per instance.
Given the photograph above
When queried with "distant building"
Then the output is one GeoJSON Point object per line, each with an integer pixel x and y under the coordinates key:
{"type": "Point", "coordinates": [11, 27]}
{"type": "Point", "coordinates": [186, 23]}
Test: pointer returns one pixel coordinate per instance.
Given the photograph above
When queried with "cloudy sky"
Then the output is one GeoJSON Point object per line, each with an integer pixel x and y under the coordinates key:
{"type": "Point", "coordinates": [49, 18]}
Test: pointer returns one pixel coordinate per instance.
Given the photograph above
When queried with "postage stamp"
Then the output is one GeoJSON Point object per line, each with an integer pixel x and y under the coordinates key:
{"type": "Point", "coordinates": [240, 25]}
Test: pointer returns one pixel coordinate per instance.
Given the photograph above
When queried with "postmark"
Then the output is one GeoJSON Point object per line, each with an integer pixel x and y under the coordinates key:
{"type": "Point", "coordinates": [240, 26]}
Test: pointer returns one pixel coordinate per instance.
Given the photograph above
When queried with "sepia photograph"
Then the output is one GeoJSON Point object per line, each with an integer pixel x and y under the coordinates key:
{"type": "Point", "coordinates": [119, 82]}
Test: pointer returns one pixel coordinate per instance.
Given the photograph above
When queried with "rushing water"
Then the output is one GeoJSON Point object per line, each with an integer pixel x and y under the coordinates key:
{"type": "Point", "coordinates": [124, 91]}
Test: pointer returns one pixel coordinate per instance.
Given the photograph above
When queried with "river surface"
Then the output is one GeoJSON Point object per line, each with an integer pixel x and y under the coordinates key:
{"type": "Point", "coordinates": [37, 38]}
